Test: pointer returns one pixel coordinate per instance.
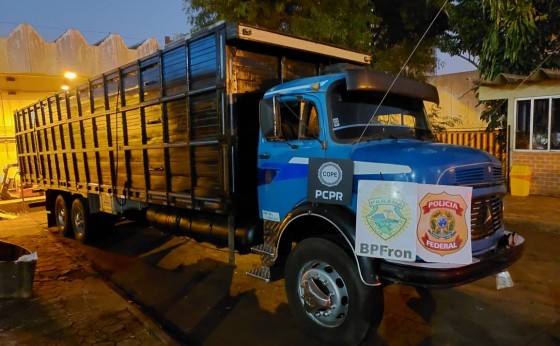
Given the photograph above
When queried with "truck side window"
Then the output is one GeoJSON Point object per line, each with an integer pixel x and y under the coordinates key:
{"type": "Point", "coordinates": [289, 119]}
{"type": "Point", "coordinates": [310, 122]}
{"type": "Point", "coordinates": [292, 127]}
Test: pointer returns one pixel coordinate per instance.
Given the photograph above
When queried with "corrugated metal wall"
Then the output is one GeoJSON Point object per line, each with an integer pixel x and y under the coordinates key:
{"type": "Point", "coordinates": [32, 68]}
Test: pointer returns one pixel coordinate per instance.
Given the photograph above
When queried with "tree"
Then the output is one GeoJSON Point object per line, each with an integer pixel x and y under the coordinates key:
{"type": "Point", "coordinates": [402, 25]}
{"type": "Point", "coordinates": [346, 23]}
{"type": "Point", "coordinates": [389, 29]}
{"type": "Point", "coordinates": [439, 122]}
{"type": "Point", "coordinates": [508, 36]}
{"type": "Point", "coordinates": [513, 36]}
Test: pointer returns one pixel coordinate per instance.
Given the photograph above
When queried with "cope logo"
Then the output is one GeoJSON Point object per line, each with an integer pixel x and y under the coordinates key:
{"type": "Point", "coordinates": [330, 174]}
{"type": "Point", "coordinates": [330, 181]}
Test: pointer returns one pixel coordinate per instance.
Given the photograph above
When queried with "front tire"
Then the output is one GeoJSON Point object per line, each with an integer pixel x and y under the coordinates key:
{"type": "Point", "coordinates": [80, 218]}
{"type": "Point", "coordinates": [327, 296]}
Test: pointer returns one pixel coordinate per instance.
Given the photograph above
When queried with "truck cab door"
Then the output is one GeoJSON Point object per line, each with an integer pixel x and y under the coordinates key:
{"type": "Point", "coordinates": [291, 133]}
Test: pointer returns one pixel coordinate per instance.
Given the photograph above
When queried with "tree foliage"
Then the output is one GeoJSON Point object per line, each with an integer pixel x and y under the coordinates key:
{"type": "Point", "coordinates": [388, 29]}
{"type": "Point", "coordinates": [511, 36]}
{"type": "Point", "coordinates": [439, 122]}
{"type": "Point", "coordinates": [507, 36]}
{"type": "Point", "coordinates": [346, 23]}
{"type": "Point", "coordinates": [497, 36]}
{"type": "Point", "coordinates": [401, 27]}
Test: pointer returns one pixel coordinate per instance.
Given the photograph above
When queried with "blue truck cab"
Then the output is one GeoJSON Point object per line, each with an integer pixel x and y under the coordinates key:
{"type": "Point", "coordinates": [377, 122]}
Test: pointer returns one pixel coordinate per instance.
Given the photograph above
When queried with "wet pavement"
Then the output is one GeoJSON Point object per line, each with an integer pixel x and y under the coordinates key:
{"type": "Point", "coordinates": [203, 301]}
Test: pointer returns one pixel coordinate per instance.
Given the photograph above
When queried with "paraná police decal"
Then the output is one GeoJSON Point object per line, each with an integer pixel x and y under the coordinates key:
{"type": "Point", "coordinates": [330, 181]}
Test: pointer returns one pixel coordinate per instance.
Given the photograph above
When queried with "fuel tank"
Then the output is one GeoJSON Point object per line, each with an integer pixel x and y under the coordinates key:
{"type": "Point", "coordinates": [204, 227]}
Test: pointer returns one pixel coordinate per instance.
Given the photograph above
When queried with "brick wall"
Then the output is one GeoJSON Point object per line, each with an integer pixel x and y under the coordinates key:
{"type": "Point", "coordinates": [545, 171]}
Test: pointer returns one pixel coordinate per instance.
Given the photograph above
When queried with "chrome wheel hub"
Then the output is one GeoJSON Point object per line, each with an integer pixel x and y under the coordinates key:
{"type": "Point", "coordinates": [79, 222]}
{"type": "Point", "coordinates": [324, 294]}
{"type": "Point", "coordinates": [61, 216]}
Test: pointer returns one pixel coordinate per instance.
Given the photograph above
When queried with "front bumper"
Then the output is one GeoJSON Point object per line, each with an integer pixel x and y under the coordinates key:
{"type": "Point", "coordinates": [437, 275]}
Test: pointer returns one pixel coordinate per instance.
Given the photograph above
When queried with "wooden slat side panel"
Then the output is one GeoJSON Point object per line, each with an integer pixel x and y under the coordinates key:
{"type": "Point", "coordinates": [202, 62]}
{"type": "Point", "coordinates": [150, 79]}
{"type": "Point", "coordinates": [204, 117]}
{"type": "Point", "coordinates": [177, 121]}
{"type": "Point", "coordinates": [174, 67]}
{"type": "Point", "coordinates": [207, 162]}
{"type": "Point", "coordinates": [254, 71]}
{"type": "Point", "coordinates": [136, 164]}
{"type": "Point", "coordinates": [153, 127]}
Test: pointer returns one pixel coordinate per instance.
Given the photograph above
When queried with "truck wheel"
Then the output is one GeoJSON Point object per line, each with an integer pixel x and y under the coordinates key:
{"type": "Point", "coordinates": [61, 215]}
{"type": "Point", "coordinates": [327, 296]}
{"type": "Point", "coordinates": [80, 217]}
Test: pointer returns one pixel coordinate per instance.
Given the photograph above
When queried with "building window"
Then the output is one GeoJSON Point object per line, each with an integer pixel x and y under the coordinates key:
{"type": "Point", "coordinates": [537, 124]}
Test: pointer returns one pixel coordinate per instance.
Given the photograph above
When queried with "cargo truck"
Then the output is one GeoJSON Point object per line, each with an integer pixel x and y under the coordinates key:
{"type": "Point", "coordinates": [218, 137]}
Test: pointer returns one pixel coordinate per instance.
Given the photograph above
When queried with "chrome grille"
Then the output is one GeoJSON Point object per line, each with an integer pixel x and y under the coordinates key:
{"type": "Point", "coordinates": [479, 175]}
{"type": "Point", "coordinates": [486, 216]}
{"type": "Point", "coordinates": [469, 176]}
{"type": "Point", "coordinates": [497, 174]}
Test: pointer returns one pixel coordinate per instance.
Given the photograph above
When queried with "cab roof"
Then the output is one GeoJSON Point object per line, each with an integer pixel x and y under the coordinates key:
{"type": "Point", "coordinates": [360, 79]}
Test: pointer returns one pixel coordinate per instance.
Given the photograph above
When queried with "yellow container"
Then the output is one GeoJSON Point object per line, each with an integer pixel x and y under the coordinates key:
{"type": "Point", "coordinates": [520, 180]}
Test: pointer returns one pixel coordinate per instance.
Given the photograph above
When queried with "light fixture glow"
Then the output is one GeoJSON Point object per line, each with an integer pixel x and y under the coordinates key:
{"type": "Point", "coordinates": [70, 75]}
{"type": "Point", "coordinates": [65, 87]}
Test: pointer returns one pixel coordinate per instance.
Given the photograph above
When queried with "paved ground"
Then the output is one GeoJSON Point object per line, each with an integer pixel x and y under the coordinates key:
{"type": "Point", "coordinates": [536, 212]}
{"type": "Point", "coordinates": [71, 304]}
{"type": "Point", "coordinates": [212, 303]}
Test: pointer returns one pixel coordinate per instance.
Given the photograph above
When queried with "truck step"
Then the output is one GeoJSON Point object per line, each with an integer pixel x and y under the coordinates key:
{"type": "Point", "coordinates": [262, 273]}
{"type": "Point", "coordinates": [263, 249]}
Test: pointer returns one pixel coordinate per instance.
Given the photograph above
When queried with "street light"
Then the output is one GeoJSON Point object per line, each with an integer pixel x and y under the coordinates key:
{"type": "Point", "coordinates": [69, 75]}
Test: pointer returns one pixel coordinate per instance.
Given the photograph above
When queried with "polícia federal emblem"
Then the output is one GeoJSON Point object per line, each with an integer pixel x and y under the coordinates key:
{"type": "Point", "coordinates": [442, 228]}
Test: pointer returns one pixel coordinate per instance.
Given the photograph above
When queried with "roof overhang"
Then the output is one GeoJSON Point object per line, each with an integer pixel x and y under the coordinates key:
{"type": "Point", "coordinates": [507, 85]}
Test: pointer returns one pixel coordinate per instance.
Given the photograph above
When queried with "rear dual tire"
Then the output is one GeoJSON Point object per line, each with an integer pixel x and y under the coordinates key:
{"type": "Point", "coordinates": [73, 221]}
{"type": "Point", "coordinates": [80, 220]}
{"type": "Point", "coordinates": [62, 215]}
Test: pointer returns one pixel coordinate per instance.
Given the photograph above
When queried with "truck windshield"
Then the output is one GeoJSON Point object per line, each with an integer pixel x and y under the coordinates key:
{"type": "Point", "coordinates": [358, 116]}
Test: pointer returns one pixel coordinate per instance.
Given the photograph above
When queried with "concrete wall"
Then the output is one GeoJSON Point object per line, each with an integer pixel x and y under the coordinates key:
{"type": "Point", "coordinates": [458, 100]}
{"type": "Point", "coordinates": [32, 68]}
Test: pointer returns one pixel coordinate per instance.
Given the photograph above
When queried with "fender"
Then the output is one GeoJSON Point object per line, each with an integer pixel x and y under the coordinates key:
{"type": "Point", "coordinates": [342, 221]}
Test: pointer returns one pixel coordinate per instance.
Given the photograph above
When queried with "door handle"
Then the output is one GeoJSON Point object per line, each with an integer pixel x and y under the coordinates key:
{"type": "Point", "coordinates": [264, 156]}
